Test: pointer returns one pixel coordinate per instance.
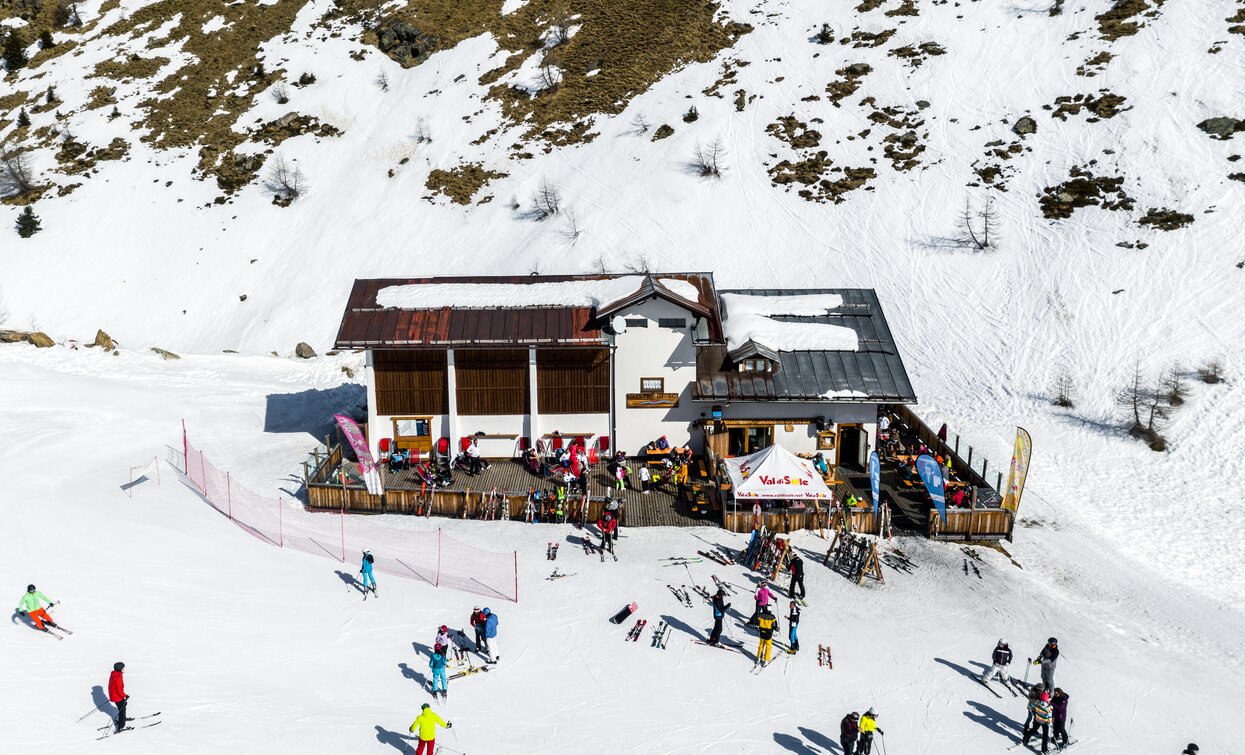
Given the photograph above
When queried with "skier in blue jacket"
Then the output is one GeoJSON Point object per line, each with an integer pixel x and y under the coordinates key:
{"type": "Point", "coordinates": [437, 664]}
{"type": "Point", "coordinates": [366, 571]}
{"type": "Point", "coordinates": [490, 633]}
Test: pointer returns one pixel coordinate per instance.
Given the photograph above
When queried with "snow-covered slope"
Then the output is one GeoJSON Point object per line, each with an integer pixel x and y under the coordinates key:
{"type": "Point", "coordinates": [1132, 557]}
{"type": "Point", "coordinates": [246, 647]}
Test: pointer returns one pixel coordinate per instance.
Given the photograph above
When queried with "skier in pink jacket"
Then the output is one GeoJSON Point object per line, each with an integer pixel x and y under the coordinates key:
{"type": "Point", "coordinates": [763, 597]}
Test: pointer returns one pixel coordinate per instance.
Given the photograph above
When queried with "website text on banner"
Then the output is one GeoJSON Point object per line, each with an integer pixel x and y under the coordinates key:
{"type": "Point", "coordinates": [430, 556]}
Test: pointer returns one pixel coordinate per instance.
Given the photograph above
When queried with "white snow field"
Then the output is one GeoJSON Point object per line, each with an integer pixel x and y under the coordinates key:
{"type": "Point", "coordinates": [245, 647]}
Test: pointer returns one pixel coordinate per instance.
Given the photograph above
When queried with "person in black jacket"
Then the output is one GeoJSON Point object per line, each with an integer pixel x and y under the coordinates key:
{"type": "Point", "coordinates": [1047, 660]}
{"type": "Point", "coordinates": [849, 730]}
{"type": "Point", "coordinates": [797, 576]}
{"type": "Point", "coordinates": [719, 612]}
{"type": "Point", "coordinates": [1001, 659]}
{"type": "Point", "coordinates": [793, 627]}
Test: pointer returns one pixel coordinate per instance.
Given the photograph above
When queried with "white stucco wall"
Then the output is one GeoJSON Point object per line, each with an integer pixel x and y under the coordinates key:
{"type": "Point", "coordinates": [655, 352]}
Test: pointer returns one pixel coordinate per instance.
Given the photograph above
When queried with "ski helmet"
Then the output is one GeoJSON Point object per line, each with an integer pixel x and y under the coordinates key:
{"type": "Point", "coordinates": [30, 588]}
{"type": "Point", "coordinates": [871, 712]}
{"type": "Point", "coordinates": [1002, 644]}
{"type": "Point", "coordinates": [444, 628]}
{"type": "Point", "coordinates": [855, 714]}
{"type": "Point", "coordinates": [1191, 749]}
{"type": "Point", "coordinates": [118, 666]}
{"type": "Point", "coordinates": [487, 612]}
{"type": "Point", "coordinates": [1052, 641]}
{"type": "Point", "coordinates": [425, 705]}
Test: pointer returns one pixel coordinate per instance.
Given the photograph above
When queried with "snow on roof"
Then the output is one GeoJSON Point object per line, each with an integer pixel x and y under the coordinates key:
{"type": "Point", "coordinates": [578, 293]}
{"type": "Point", "coordinates": [750, 317]}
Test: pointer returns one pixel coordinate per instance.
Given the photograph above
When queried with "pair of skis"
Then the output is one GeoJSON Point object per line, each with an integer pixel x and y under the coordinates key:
{"type": "Point", "coordinates": [824, 658]}
{"type": "Point", "coordinates": [633, 635]}
{"type": "Point", "coordinates": [727, 586]}
{"type": "Point", "coordinates": [660, 634]}
{"type": "Point", "coordinates": [612, 553]}
{"type": "Point", "coordinates": [559, 575]}
{"type": "Point", "coordinates": [680, 594]}
{"type": "Point", "coordinates": [682, 562]}
{"type": "Point", "coordinates": [732, 646]}
{"type": "Point", "coordinates": [551, 551]}
{"type": "Point", "coordinates": [718, 557]}
{"type": "Point", "coordinates": [111, 728]}
{"type": "Point", "coordinates": [48, 630]}
{"type": "Point", "coordinates": [469, 672]}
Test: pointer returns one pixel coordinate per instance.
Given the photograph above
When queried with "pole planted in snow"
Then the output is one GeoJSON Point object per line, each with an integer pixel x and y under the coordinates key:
{"type": "Point", "coordinates": [229, 495]}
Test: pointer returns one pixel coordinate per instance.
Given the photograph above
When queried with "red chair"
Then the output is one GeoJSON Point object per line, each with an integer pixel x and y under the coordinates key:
{"type": "Point", "coordinates": [603, 442]}
{"type": "Point", "coordinates": [557, 443]}
{"type": "Point", "coordinates": [580, 442]}
{"type": "Point", "coordinates": [443, 448]}
{"type": "Point", "coordinates": [524, 443]}
{"type": "Point", "coordinates": [593, 456]}
{"type": "Point", "coordinates": [384, 445]}
{"type": "Point", "coordinates": [464, 444]}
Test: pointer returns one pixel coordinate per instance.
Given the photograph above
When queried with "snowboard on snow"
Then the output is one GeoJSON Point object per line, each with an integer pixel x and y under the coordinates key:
{"type": "Point", "coordinates": [622, 615]}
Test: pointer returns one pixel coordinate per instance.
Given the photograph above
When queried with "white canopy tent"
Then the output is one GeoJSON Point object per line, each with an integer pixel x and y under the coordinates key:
{"type": "Point", "coordinates": [775, 472]}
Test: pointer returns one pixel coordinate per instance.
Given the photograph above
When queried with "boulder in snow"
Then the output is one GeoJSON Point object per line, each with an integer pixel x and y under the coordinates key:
{"type": "Point", "coordinates": [104, 341]}
{"type": "Point", "coordinates": [1222, 127]}
{"type": "Point", "coordinates": [304, 351]}
{"type": "Point", "coordinates": [166, 355]}
{"type": "Point", "coordinates": [37, 338]}
{"type": "Point", "coordinates": [1025, 126]}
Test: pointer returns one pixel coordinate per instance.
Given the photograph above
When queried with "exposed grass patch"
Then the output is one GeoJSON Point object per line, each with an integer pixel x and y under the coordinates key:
{"type": "Point", "coordinates": [848, 83]}
{"type": "Point", "coordinates": [101, 96]}
{"type": "Point", "coordinates": [1106, 105]}
{"type": "Point", "coordinates": [1084, 189]}
{"type": "Point", "coordinates": [461, 183]}
{"type": "Point", "coordinates": [812, 172]}
{"type": "Point", "coordinates": [1123, 19]}
{"type": "Point", "coordinates": [1165, 219]}
{"type": "Point", "coordinates": [794, 132]}
{"type": "Point", "coordinates": [130, 68]}
{"type": "Point", "coordinates": [916, 55]}
{"type": "Point", "coordinates": [1094, 65]}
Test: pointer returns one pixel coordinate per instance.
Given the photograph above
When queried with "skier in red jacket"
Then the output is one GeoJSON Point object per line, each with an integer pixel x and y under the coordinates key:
{"type": "Point", "coordinates": [116, 693]}
{"type": "Point", "coordinates": [608, 525]}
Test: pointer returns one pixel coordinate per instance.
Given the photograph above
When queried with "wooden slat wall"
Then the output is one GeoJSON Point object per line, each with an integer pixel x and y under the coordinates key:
{"type": "Point", "coordinates": [984, 524]}
{"type": "Point", "coordinates": [573, 381]}
{"type": "Point", "coordinates": [411, 382]}
{"type": "Point", "coordinates": [862, 521]}
{"type": "Point", "coordinates": [491, 381]}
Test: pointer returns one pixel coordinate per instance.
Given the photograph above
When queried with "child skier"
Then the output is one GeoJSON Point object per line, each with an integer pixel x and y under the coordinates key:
{"type": "Point", "coordinates": [437, 664]}
{"type": "Point", "coordinates": [116, 693]}
{"type": "Point", "coordinates": [1041, 716]}
{"type": "Point", "coordinates": [767, 623]}
{"type": "Point", "coordinates": [366, 572]}
{"type": "Point", "coordinates": [477, 623]}
{"type": "Point", "coordinates": [646, 478]}
{"type": "Point", "coordinates": [793, 624]}
{"type": "Point", "coordinates": [31, 605]}
{"type": "Point", "coordinates": [719, 612]}
{"type": "Point", "coordinates": [427, 723]}
{"type": "Point", "coordinates": [443, 637]}
{"type": "Point", "coordinates": [1000, 660]}
{"type": "Point", "coordinates": [868, 725]}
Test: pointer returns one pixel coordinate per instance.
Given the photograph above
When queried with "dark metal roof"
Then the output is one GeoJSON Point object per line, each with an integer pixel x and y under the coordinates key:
{"type": "Point", "coordinates": [874, 370]}
{"type": "Point", "coordinates": [365, 324]}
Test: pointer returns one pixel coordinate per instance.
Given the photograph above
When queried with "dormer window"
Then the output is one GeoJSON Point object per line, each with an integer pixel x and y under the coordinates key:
{"type": "Point", "coordinates": [756, 365]}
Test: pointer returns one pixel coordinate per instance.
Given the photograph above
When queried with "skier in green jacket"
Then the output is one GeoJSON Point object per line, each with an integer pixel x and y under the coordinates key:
{"type": "Point", "coordinates": [31, 605]}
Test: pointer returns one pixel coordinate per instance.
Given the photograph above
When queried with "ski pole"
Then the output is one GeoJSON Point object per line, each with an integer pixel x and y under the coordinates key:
{"type": "Point", "coordinates": [882, 740]}
{"type": "Point", "coordinates": [89, 712]}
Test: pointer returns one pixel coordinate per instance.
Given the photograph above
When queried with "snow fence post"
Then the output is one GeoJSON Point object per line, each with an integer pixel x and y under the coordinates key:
{"type": "Point", "coordinates": [203, 471]}
{"type": "Point", "coordinates": [156, 460]}
{"type": "Point", "coordinates": [130, 488]}
{"type": "Point", "coordinates": [438, 582]}
{"type": "Point", "coordinates": [343, 518]}
{"type": "Point", "coordinates": [229, 496]}
{"type": "Point", "coordinates": [516, 576]}
{"type": "Point", "coordinates": [185, 449]}
{"type": "Point", "coordinates": [280, 528]}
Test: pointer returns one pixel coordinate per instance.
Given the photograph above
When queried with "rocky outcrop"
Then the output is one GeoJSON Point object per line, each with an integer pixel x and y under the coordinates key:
{"type": "Point", "coordinates": [1025, 126]}
{"type": "Point", "coordinates": [166, 355]}
{"type": "Point", "coordinates": [304, 351]}
{"type": "Point", "coordinates": [404, 43]}
{"type": "Point", "coordinates": [104, 341]}
{"type": "Point", "coordinates": [1222, 127]}
{"type": "Point", "coordinates": [36, 338]}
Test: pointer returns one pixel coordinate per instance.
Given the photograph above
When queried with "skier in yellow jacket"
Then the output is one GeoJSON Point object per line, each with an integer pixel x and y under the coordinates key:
{"type": "Point", "coordinates": [766, 624]}
{"type": "Point", "coordinates": [426, 723]}
{"type": "Point", "coordinates": [868, 725]}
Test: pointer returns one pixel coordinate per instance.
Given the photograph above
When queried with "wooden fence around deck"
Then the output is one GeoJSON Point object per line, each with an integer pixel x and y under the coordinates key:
{"type": "Point", "coordinates": [977, 524]}
{"type": "Point", "coordinates": [778, 521]}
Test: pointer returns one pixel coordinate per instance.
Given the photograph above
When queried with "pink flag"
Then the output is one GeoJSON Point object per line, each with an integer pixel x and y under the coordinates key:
{"type": "Point", "coordinates": [371, 476]}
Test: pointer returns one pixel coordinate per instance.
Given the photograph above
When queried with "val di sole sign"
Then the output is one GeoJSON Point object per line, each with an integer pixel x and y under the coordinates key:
{"type": "Point", "coordinates": [652, 400]}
